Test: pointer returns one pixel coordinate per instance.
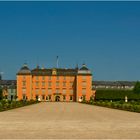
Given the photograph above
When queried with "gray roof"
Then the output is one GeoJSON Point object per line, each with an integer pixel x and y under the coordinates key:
{"type": "Point", "coordinates": [8, 84]}
{"type": "Point", "coordinates": [24, 70]}
{"type": "Point", "coordinates": [84, 67]}
{"type": "Point", "coordinates": [59, 71]}
{"type": "Point", "coordinates": [114, 83]}
{"type": "Point", "coordinates": [49, 71]}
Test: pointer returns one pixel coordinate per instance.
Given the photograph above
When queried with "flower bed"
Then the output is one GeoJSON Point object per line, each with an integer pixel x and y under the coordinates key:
{"type": "Point", "coordinates": [129, 106]}
{"type": "Point", "coordinates": [6, 105]}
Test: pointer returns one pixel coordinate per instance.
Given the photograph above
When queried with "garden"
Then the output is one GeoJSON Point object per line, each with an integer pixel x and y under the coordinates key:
{"type": "Point", "coordinates": [133, 106]}
{"type": "Point", "coordinates": [6, 104]}
{"type": "Point", "coordinates": [128, 100]}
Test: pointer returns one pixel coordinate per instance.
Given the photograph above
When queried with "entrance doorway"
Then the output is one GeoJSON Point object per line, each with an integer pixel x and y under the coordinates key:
{"type": "Point", "coordinates": [57, 98]}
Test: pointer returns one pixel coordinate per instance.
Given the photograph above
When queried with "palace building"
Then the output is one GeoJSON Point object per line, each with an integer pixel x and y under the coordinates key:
{"type": "Point", "coordinates": [54, 84]}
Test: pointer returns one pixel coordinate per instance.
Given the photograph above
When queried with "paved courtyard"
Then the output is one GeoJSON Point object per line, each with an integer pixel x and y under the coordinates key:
{"type": "Point", "coordinates": [68, 121]}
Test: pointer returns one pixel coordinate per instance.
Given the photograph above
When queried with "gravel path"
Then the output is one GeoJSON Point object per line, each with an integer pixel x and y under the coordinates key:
{"type": "Point", "coordinates": [68, 121]}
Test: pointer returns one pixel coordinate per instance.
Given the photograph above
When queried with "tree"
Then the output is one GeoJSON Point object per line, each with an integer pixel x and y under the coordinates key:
{"type": "Point", "coordinates": [137, 87]}
{"type": "Point", "coordinates": [1, 94]}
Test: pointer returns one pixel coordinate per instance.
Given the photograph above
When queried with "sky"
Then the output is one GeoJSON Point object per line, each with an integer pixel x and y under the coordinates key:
{"type": "Point", "coordinates": [103, 35]}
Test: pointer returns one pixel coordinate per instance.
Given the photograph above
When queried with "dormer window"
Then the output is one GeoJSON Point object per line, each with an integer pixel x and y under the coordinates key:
{"type": "Point", "coordinates": [37, 78]}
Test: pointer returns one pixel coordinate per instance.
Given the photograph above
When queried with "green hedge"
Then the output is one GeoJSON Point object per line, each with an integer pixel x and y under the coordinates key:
{"type": "Point", "coordinates": [6, 105]}
{"type": "Point", "coordinates": [130, 106]}
{"type": "Point", "coordinates": [116, 95]}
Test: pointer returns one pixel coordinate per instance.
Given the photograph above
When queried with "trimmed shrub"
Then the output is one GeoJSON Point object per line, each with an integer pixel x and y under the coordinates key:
{"type": "Point", "coordinates": [137, 88]}
{"type": "Point", "coordinates": [116, 95]}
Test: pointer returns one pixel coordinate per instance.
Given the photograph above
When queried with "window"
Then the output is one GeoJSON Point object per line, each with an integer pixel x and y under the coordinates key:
{"type": "Point", "coordinates": [37, 91]}
{"type": "Point", "coordinates": [84, 91]}
{"type": "Point", "coordinates": [43, 97]}
{"type": "Point", "coordinates": [12, 97]}
{"type": "Point", "coordinates": [37, 84]}
{"type": "Point", "coordinates": [43, 77]}
{"type": "Point", "coordinates": [71, 78]}
{"type": "Point", "coordinates": [71, 98]}
{"type": "Point", "coordinates": [57, 84]}
{"type": "Point", "coordinates": [24, 78]}
{"type": "Point", "coordinates": [64, 77]}
{"type": "Point", "coordinates": [71, 84]}
{"type": "Point", "coordinates": [57, 90]}
{"type": "Point", "coordinates": [71, 91]}
{"type": "Point", "coordinates": [43, 91]}
{"type": "Point", "coordinates": [84, 84]}
{"type": "Point", "coordinates": [49, 84]}
{"type": "Point", "coordinates": [24, 97]}
{"type": "Point", "coordinates": [49, 91]}
{"type": "Point", "coordinates": [64, 84]}
{"type": "Point", "coordinates": [83, 77]}
{"type": "Point", "coordinates": [50, 77]}
{"type": "Point", "coordinates": [57, 78]}
{"type": "Point", "coordinates": [43, 84]}
{"type": "Point", "coordinates": [23, 91]}
{"type": "Point", "coordinates": [37, 78]}
{"type": "Point", "coordinates": [23, 83]}
{"type": "Point", "coordinates": [9, 91]}
{"type": "Point", "coordinates": [49, 97]}
{"type": "Point", "coordinates": [46, 98]}
{"type": "Point", "coordinates": [64, 97]}
{"type": "Point", "coordinates": [64, 91]}
{"type": "Point", "coordinates": [12, 90]}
